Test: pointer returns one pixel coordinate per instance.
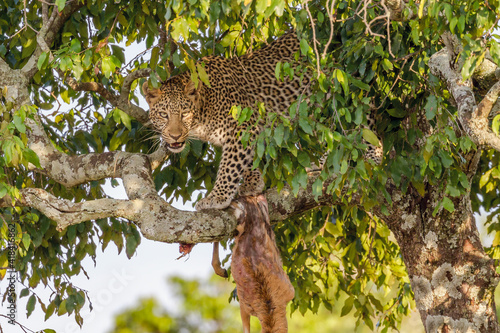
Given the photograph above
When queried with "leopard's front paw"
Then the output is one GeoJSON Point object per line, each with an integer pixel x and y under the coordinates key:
{"type": "Point", "coordinates": [212, 202]}
{"type": "Point", "coordinates": [252, 186]}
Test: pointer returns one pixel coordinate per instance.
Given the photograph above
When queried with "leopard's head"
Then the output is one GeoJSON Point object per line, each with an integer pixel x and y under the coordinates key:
{"type": "Point", "coordinates": [173, 110]}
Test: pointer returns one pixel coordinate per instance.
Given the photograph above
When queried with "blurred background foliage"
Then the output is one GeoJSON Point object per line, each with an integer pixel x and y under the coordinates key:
{"type": "Point", "coordinates": [202, 306]}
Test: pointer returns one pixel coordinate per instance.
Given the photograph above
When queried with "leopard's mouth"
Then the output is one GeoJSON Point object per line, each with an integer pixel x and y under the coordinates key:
{"type": "Point", "coordinates": [176, 147]}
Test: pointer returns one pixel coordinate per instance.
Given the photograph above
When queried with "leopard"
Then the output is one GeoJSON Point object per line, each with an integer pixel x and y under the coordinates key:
{"type": "Point", "coordinates": [181, 110]}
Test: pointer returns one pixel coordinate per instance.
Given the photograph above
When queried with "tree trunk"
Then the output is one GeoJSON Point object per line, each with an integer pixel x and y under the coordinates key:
{"type": "Point", "coordinates": [451, 276]}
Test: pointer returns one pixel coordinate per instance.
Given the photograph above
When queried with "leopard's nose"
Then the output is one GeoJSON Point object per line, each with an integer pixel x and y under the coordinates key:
{"type": "Point", "coordinates": [175, 137]}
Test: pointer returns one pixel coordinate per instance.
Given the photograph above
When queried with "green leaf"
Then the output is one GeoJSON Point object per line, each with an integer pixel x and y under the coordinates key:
{"type": "Point", "coordinates": [78, 70]}
{"type": "Point", "coordinates": [62, 308]}
{"type": "Point", "coordinates": [25, 292]}
{"type": "Point", "coordinates": [155, 54]}
{"type": "Point", "coordinates": [347, 306]}
{"type": "Point", "coordinates": [317, 188]}
{"type": "Point", "coordinates": [75, 46]}
{"type": "Point", "coordinates": [131, 246]}
{"type": "Point", "coordinates": [271, 150]}
{"type": "Point", "coordinates": [446, 159]}
{"type": "Point", "coordinates": [359, 84]}
{"type": "Point", "coordinates": [50, 310]}
{"type": "Point", "coordinates": [154, 80]}
{"type": "Point", "coordinates": [452, 190]}
{"type": "Point", "coordinates": [18, 123]}
{"type": "Point", "coordinates": [203, 74]}
{"type": "Point", "coordinates": [495, 126]}
{"type": "Point", "coordinates": [387, 64]}
{"type": "Point", "coordinates": [343, 167]}
{"type": "Point", "coordinates": [304, 47]}
{"type": "Point", "coordinates": [107, 66]}
{"type": "Point", "coordinates": [287, 163]}
{"type": "Point", "coordinates": [277, 71]}
{"type": "Point", "coordinates": [87, 59]}
{"type": "Point", "coordinates": [303, 159]}
{"type": "Point", "coordinates": [181, 29]}
{"type": "Point", "coordinates": [397, 113]}
{"type": "Point", "coordinates": [261, 6]}
{"type": "Point", "coordinates": [26, 240]}
{"type": "Point", "coordinates": [485, 178]}
{"type": "Point", "coordinates": [278, 134]}
{"type": "Point", "coordinates": [448, 204]}
{"type": "Point", "coordinates": [370, 137]}
{"type": "Point", "coordinates": [31, 305]}
{"type": "Point", "coordinates": [461, 23]}
{"type": "Point", "coordinates": [60, 5]}
{"type": "Point", "coordinates": [431, 107]}
{"type": "Point", "coordinates": [468, 68]}
{"type": "Point", "coordinates": [43, 60]}
{"type": "Point", "coordinates": [305, 125]}
{"type": "Point", "coordinates": [65, 64]}
{"type": "Point", "coordinates": [260, 148]}
{"type": "Point", "coordinates": [453, 24]}
{"type": "Point", "coordinates": [342, 78]}
{"type": "Point", "coordinates": [3, 191]}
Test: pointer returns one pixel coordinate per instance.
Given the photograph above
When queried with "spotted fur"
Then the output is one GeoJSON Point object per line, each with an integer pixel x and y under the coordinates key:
{"type": "Point", "coordinates": [179, 110]}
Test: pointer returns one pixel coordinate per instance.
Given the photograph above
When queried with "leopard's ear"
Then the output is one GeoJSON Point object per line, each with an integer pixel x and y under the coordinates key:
{"type": "Point", "coordinates": [193, 93]}
{"type": "Point", "coordinates": [152, 95]}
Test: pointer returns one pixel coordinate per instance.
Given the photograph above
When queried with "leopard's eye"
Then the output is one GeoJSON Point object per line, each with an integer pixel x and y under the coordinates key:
{"type": "Point", "coordinates": [185, 114]}
{"type": "Point", "coordinates": [163, 114]}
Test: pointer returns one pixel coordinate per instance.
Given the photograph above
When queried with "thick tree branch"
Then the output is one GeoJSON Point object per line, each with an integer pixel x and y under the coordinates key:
{"type": "Point", "coordinates": [73, 170]}
{"type": "Point", "coordinates": [127, 83]}
{"type": "Point", "coordinates": [484, 108]}
{"type": "Point", "coordinates": [16, 83]}
{"type": "Point", "coordinates": [473, 117]}
{"type": "Point", "coordinates": [156, 219]}
{"type": "Point", "coordinates": [485, 76]}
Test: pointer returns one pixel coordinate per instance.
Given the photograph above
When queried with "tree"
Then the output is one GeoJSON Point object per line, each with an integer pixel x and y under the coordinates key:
{"type": "Point", "coordinates": [426, 72]}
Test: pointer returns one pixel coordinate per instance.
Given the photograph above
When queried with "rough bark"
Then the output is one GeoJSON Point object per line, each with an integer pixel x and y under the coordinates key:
{"type": "Point", "coordinates": [472, 116]}
{"type": "Point", "coordinates": [451, 276]}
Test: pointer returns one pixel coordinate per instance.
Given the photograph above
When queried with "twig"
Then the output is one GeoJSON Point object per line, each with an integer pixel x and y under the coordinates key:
{"type": "Point", "coordinates": [313, 27]}
{"type": "Point", "coordinates": [332, 18]}
{"type": "Point", "coordinates": [388, 24]}
{"type": "Point", "coordinates": [408, 56]}
{"type": "Point", "coordinates": [21, 326]}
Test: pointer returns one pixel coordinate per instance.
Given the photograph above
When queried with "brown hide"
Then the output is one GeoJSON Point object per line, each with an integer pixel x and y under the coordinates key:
{"type": "Point", "coordinates": [262, 285]}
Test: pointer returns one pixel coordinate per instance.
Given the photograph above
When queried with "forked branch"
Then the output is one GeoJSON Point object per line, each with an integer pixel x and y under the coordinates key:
{"type": "Point", "coordinates": [473, 117]}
